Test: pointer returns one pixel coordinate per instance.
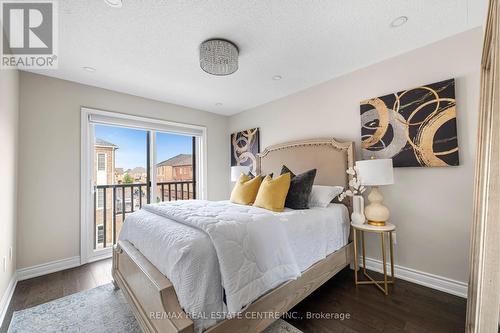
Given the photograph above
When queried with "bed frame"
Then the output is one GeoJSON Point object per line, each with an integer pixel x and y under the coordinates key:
{"type": "Point", "coordinates": [152, 297]}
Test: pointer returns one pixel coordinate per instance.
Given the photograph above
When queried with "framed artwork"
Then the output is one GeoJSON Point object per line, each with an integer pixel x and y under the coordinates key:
{"type": "Point", "coordinates": [245, 146]}
{"type": "Point", "coordinates": [415, 127]}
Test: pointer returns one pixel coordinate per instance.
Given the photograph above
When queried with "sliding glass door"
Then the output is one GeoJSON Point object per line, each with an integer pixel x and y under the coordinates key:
{"type": "Point", "coordinates": [130, 164]}
{"type": "Point", "coordinates": [121, 178]}
{"type": "Point", "coordinates": [175, 167]}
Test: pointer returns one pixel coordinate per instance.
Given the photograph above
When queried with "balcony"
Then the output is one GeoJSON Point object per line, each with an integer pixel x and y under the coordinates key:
{"type": "Point", "coordinates": [112, 204]}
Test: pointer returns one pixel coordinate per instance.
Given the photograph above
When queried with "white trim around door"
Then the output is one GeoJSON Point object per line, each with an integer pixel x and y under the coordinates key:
{"type": "Point", "coordinates": [91, 116]}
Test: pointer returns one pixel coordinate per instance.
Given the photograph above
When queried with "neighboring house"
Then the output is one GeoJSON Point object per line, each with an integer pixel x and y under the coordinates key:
{"type": "Point", "coordinates": [177, 168]}
{"type": "Point", "coordinates": [138, 174]}
{"type": "Point", "coordinates": [104, 162]}
{"type": "Point", "coordinates": [119, 175]}
{"type": "Point", "coordinates": [104, 174]}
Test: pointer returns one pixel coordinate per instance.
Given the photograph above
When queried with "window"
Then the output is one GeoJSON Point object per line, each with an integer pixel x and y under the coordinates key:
{"type": "Point", "coordinates": [100, 234]}
{"type": "Point", "coordinates": [100, 198]}
{"type": "Point", "coordinates": [101, 162]}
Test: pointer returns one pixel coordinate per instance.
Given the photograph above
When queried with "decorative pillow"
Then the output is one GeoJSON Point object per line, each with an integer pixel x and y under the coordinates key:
{"type": "Point", "coordinates": [272, 193]}
{"type": "Point", "coordinates": [321, 196]}
{"type": "Point", "coordinates": [300, 188]}
{"type": "Point", "coordinates": [252, 176]}
{"type": "Point", "coordinates": [245, 190]}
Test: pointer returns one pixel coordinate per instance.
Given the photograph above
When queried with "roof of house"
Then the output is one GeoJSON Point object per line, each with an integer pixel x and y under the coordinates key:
{"type": "Point", "coordinates": [103, 143]}
{"type": "Point", "coordinates": [119, 171]}
{"type": "Point", "coordinates": [178, 160]}
{"type": "Point", "coordinates": [136, 170]}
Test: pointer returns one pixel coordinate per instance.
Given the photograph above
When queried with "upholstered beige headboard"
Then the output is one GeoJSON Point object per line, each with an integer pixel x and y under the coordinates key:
{"type": "Point", "coordinates": [330, 157]}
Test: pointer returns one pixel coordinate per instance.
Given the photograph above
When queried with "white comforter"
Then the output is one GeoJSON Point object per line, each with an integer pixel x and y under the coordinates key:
{"type": "Point", "coordinates": [251, 245]}
{"type": "Point", "coordinates": [204, 246]}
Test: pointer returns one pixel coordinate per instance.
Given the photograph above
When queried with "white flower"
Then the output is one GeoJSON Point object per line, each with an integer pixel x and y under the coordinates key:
{"type": "Point", "coordinates": [354, 183]}
{"type": "Point", "coordinates": [355, 187]}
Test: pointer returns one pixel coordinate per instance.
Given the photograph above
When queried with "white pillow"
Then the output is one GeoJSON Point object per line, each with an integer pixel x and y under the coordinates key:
{"type": "Point", "coordinates": [321, 196]}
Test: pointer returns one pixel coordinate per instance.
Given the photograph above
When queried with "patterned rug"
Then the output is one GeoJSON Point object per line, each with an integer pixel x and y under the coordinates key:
{"type": "Point", "coordinates": [98, 310]}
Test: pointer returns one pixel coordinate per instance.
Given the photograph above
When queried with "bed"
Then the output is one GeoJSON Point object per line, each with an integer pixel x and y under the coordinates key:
{"type": "Point", "coordinates": [317, 241]}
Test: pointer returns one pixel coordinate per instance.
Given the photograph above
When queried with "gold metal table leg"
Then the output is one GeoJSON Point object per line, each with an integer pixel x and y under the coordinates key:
{"type": "Point", "coordinates": [384, 262]}
{"type": "Point", "coordinates": [355, 257]}
{"type": "Point", "coordinates": [364, 251]}
{"type": "Point", "coordinates": [391, 247]}
{"type": "Point", "coordinates": [382, 285]}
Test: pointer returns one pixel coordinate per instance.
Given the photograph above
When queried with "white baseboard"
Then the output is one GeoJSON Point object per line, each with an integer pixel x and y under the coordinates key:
{"type": "Point", "coordinates": [47, 268]}
{"type": "Point", "coordinates": [437, 282]}
{"type": "Point", "coordinates": [6, 298]}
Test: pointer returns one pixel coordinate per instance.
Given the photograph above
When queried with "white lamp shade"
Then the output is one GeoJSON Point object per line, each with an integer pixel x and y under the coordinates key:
{"type": "Point", "coordinates": [375, 172]}
{"type": "Point", "coordinates": [237, 170]}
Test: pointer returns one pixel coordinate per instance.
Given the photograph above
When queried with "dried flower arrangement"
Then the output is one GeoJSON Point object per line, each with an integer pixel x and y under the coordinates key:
{"type": "Point", "coordinates": [355, 186]}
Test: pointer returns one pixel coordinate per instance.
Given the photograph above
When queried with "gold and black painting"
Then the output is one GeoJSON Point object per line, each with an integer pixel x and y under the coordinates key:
{"type": "Point", "coordinates": [245, 146]}
{"type": "Point", "coordinates": [415, 127]}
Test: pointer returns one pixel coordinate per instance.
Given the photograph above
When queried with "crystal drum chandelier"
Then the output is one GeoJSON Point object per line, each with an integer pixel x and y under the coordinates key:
{"type": "Point", "coordinates": [218, 57]}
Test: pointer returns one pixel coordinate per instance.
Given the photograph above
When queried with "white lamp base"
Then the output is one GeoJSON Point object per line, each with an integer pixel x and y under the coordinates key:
{"type": "Point", "coordinates": [376, 213]}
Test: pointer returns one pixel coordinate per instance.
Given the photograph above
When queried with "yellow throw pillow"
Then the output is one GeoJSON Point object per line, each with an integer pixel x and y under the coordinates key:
{"type": "Point", "coordinates": [245, 190]}
{"type": "Point", "coordinates": [272, 193]}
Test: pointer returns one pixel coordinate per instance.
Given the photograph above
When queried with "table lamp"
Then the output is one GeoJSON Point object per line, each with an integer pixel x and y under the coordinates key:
{"type": "Point", "coordinates": [237, 170]}
{"type": "Point", "coordinates": [374, 173]}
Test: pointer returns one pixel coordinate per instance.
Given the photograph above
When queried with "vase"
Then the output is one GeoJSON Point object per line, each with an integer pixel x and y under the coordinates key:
{"type": "Point", "coordinates": [358, 205]}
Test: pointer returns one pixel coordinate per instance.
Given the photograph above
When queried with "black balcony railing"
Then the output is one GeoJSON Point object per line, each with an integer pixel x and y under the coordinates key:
{"type": "Point", "coordinates": [112, 203]}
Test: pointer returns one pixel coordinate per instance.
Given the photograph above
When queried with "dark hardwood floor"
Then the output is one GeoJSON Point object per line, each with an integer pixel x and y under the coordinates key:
{"type": "Point", "coordinates": [49, 287]}
{"type": "Point", "coordinates": [408, 308]}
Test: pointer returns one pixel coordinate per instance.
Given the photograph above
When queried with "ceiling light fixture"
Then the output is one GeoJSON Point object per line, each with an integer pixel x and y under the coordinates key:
{"type": "Point", "coordinates": [399, 21]}
{"type": "Point", "coordinates": [89, 69]}
{"type": "Point", "coordinates": [277, 77]}
{"type": "Point", "coordinates": [114, 3]}
{"type": "Point", "coordinates": [219, 57]}
{"type": "Point", "coordinates": [218, 104]}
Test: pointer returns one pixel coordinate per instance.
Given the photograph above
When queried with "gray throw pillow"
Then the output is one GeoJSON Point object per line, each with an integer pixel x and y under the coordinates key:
{"type": "Point", "coordinates": [300, 188]}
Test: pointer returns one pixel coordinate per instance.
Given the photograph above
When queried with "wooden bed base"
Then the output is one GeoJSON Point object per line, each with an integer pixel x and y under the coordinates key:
{"type": "Point", "coordinates": [155, 305]}
{"type": "Point", "coordinates": [152, 296]}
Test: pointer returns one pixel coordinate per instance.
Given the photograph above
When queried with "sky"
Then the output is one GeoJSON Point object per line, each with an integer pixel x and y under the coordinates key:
{"type": "Point", "coordinates": [131, 144]}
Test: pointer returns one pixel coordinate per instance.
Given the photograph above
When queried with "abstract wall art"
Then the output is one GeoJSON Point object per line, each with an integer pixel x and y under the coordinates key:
{"type": "Point", "coordinates": [245, 146]}
{"type": "Point", "coordinates": [415, 127]}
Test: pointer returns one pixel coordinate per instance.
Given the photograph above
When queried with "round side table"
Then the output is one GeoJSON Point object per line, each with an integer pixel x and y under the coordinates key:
{"type": "Point", "coordinates": [383, 231]}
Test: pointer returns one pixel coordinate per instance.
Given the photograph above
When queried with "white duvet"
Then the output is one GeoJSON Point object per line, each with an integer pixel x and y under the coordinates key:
{"type": "Point", "coordinates": [210, 248]}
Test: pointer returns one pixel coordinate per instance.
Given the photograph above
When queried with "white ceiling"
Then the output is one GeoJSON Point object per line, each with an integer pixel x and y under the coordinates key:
{"type": "Point", "coordinates": [150, 48]}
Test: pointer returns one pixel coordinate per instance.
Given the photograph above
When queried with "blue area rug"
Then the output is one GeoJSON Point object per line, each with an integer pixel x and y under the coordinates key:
{"type": "Point", "coordinates": [99, 310]}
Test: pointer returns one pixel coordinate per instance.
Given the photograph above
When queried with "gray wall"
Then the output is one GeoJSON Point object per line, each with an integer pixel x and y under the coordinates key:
{"type": "Point", "coordinates": [9, 116]}
{"type": "Point", "coordinates": [432, 207]}
{"type": "Point", "coordinates": [49, 159]}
